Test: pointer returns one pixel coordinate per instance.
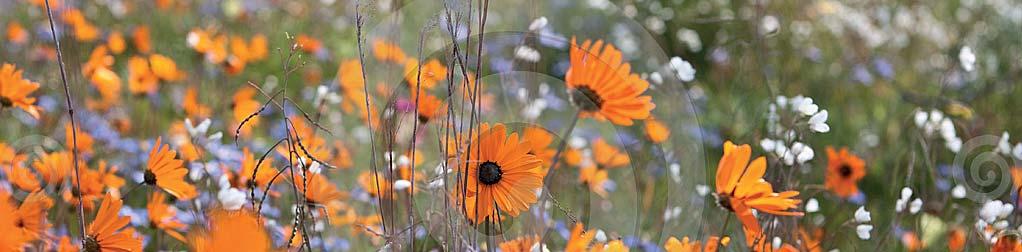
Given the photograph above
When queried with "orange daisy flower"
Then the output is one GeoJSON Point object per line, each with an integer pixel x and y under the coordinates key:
{"type": "Point", "coordinates": [93, 185]}
{"type": "Point", "coordinates": [594, 178]}
{"type": "Point", "coordinates": [21, 177]}
{"type": "Point", "coordinates": [108, 84]}
{"type": "Point", "coordinates": [539, 141]}
{"type": "Point", "coordinates": [226, 228]}
{"type": "Point", "coordinates": [374, 188]}
{"type": "Point", "coordinates": [520, 244]}
{"type": "Point", "coordinates": [141, 79]}
{"type": "Point", "coordinates": [844, 170]}
{"type": "Point", "coordinates": [53, 167]}
{"type": "Point", "coordinates": [308, 43]}
{"type": "Point", "coordinates": [429, 107]}
{"type": "Point", "coordinates": [15, 91]}
{"type": "Point", "coordinates": [607, 156]}
{"type": "Point", "coordinates": [98, 59]}
{"type": "Point", "coordinates": [16, 33]}
{"type": "Point", "coordinates": [656, 130]}
{"type": "Point", "coordinates": [501, 177]}
{"type": "Point", "coordinates": [432, 73]}
{"type": "Point", "coordinates": [165, 68]}
{"type": "Point", "coordinates": [1007, 243]}
{"type": "Point", "coordinates": [140, 37]}
{"type": "Point", "coordinates": [740, 188]}
{"type": "Point", "coordinates": [319, 190]}
{"type": "Point", "coordinates": [109, 232]}
{"type": "Point", "coordinates": [602, 86]}
{"type": "Point", "coordinates": [163, 216]}
{"type": "Point", "coordinates": [244, 105]}
{"type": "Point", "coordinates": [165, 171]}
{"type": "Point", "coordinates": [263, 175]}
{"type": "Point", "coordinates": [31, 216]}
{"type": "Point", "coordinates": [191, 105]}
{"type": "Point", "coordinates": [115, 41]}
{"type": "Point", "coordinates": [84, 139]}
{"type": "Point", "coordinates": [579, 239]}
{"type": "Point", "coordinates": [684, 245]}
{"type": "Point", "coordinates": [956, 239]}
{"type": "Point", "coordinates": [388, 52]}
{"type": "Point", "coordinates": [12, 240]}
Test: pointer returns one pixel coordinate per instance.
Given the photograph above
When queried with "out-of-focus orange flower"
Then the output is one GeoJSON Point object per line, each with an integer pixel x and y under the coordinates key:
{"type": "Point", "coordinates": [318, 190]}
{"type": "Point", "coordinates": [141, 79]}
{"type": "Point", "coordinates": [428, 106]}
{"type": "Point", "coordinates": [656, 130]}
{"type": "Point", "coordinates": [540, 140]}
{"type": "Point", "coordinates": [164, 216]}
{"type": "Point", "coordinates": [16, 33]}
{"type": "Point", "coordinates": [15, 92]}
{"type": "Point", "coordinates": [21, 177]}
{"type": "Point", "coordinates": [243, 106]}
{"type": "Point", "coordinates": [84, 139]}
{"type": "Point", "coordinates": [53, 167]}
{"type": "Point", "coordinates": [31, 216]}
{"type": "Point", "coordinates": [226, 228]}
{"type": "Point", "coordinates": [140, 37]}
{"type": "Point", "coordinates": [108, 84]}
{"type": "Point", "coordinates": [12, 240]}
{"type": "Point", "coordinates": [116, 42]}
{"type": "Point", "coordinates": [844, 170]}
{"type": "Point", "coordinates": [579, 239]}
{"type": "Point", "coordinates": [607, 156]}
{"type": "Point", "coordinates": [263, 174]}
{"type": "Point", "coordinates": [956, 239]}
{"type": "Point", "coordinates": [1007, 242]}
{"type": "Point", "coordinates": [98, 59]}
{"type": "Point", "coordinates": [379, 187]}
{"type": "Point", "coordinates": [430, 74]}
{"type": "Point", "coordinates": [165, 68]}
{"type": "Point", "coordinates": [388, 52]}
{"type": "Point", "coordinates": [191, 105]}
{"type": "Point", "coordinates": [308, 43]}
{"type": "Point", "coordinates": [520, 244]}
{"type": "Point", "coordinates": [594, 178]}
{"type": "Point", "coordinates": [685, 245]}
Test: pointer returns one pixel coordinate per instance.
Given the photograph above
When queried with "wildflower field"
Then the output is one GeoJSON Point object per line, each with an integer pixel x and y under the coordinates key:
{"type": "Point", "coordinates": [517, 125]}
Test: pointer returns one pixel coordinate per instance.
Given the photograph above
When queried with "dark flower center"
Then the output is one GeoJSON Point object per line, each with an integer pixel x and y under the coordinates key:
{"type": "Point", "coordinates": [845, 171]}
{"type": "Point", "coordinates": [150, 177]}
{"type": "Point", "coordinates": [91, 244]}
{"type": "Point", "coordinates": [586, 99]}
{"type": "Point", "coordinates": [724, 201]}
{"type": "Point", "coordinates": [6, 102]}
{"type": "Point", "coordinates": [489, 173]}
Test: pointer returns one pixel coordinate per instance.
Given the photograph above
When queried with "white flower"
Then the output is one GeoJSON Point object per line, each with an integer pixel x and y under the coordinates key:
{"type": "Point", "coordinates": [1017, 151]}
{"type": "Point", "coordinates": [862, 216]}
{"type": "Point", "coordinates": [702, 190]}
{"type": "Point", "coordinates": [231, 198]}
{"type": "Point", "coordinates": [807, 107]}
{"type": "Point", "coordinates": [601, 236]}
{"type": "Point", "coordinates": [863, 231]}
{"type": "Point", "coordinates": [947, 129]}
{"type": "Point", "coordinates": [993, 210]}
{"type": "Point", "coordinates": [812, 205]}
{"type": "Point", "coordinates": [776, 242]}
{"type": "Point", "coordinates": [683, 69]}
{"type": "Point", "coordinates": [197, 130]}
{"type": "Point", "coordinates": [803, 153]}
{"type": "Point", "coordinates": [954, 144]}
{"type": "Point", "coordinates": [769, 25]}
{"type": "Point", "coordinates": [920, 118]}
{"type": "Point", "coordinates": [537, 24]}
{"type": "Point", "coordinates": [402, 184]}
{"type": "Point", "coordinates": [915, 206]}
{"type": "Point", "coordinates": [768, 144]}
{"type": "Point", "coordinates": [1003, 146]}
{"type": "Point", "coordinates": [818, 122]}
{"type": "Point", "coordinates": [527, 53]}
{"type": "Point", "coordinates": [906, 193]}
{"type": "Point", "coordinates": [958, 192]}
{"type": "Point", "coordinates": [967, 58]}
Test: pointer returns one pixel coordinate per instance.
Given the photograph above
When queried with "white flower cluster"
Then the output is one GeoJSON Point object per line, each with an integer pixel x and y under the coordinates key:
{"type": "Point", "coordinates": [784, 143]}
{"type": "Point", "coordinates": [230, 198]}
{"type": "Point", "coordinates": [682, 69]}
{"type": "Point", "coordinates": [1004, 147]}
{"type": "Point", "coordinates": [862, 217]}
{"type": "Point", "coordinates": [913, 206]}
{"type": "Point", "coordinates": [198, 132]}
{"type": "Point", "coordinates": [967, 59]}
{"type": "Point", "coordinates": [993, 214]}
{"type": "Point", "coordinates": [934, 122]}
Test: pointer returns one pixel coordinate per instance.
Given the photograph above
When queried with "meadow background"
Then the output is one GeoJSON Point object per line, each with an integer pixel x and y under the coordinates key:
{"type": "Point", "coordinates": [883, 70]}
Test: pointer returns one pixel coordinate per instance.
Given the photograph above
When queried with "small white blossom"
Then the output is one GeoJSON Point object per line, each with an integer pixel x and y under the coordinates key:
{"type": "Point", "coordinates": [402, 184]}
{"type": "Point", "coordinates": [863, 231]}
{"type": "Point", "coordinates": [231, 198]}
{"type": "Point", "coordinates": [812, 205]}
{"type": "Point", "coordinates": [527, 54]}
{"type": "Point", "coordinates": [537, 24]}
{"type": "Point", "coordinates": [862, 216]}
{"type": "Point", "coordinates": [967, 59]}
{"type": "Point", "coordinates": [818, 122]}
{"type": "Point", "coordinates": [958, 192]}
{"type": "Point", "coordinates": [683, 69]}
{"type": "Point", "coordinates": [770, 25]}
{"type": "Point", "coordinates": [915, 206]}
